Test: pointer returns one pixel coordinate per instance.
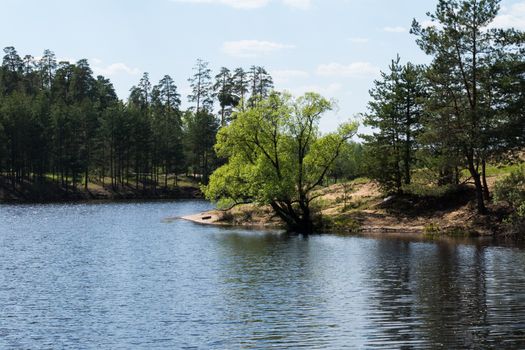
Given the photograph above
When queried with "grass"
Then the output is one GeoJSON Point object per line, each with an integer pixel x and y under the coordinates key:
{"type": "Point", "coordinates": [500, 169]}
{"type": "Point", "coordinates": [503, 169]}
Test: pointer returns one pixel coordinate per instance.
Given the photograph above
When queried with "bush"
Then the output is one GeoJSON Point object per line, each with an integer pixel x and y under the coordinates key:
{"type": "Point", "coordinates": [341, 224]}
{"type": "Point", "coordinates": [421, 190]}
{"type": "Point", "coordinates": [512, 190]}
{"type": "Point", "coordinates": [432, 229]}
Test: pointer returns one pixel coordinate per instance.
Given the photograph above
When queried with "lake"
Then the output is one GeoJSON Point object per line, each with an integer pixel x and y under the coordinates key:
{"type": "Point", "coordinates": [122, 276]}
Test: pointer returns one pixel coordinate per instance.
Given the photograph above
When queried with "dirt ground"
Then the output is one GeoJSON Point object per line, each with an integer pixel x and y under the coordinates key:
{"type": "Point", "coordinates": [360, 206]}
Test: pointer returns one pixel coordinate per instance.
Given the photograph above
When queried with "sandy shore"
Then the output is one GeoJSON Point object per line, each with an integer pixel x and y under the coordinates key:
{"type": "Point", "coordinates": [204, 218]}
{"type": "Point", "coordinates": [216, 218]}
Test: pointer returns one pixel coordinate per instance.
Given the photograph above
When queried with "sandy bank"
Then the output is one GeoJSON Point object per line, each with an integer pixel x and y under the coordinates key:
{"type": "Point", "coordinates": [359, 208]}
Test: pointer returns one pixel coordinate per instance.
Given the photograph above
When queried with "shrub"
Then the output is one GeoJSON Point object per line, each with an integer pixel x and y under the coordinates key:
{"type": "Point", "coordinates": [432, 229]}
{"type": "Point", "coordinates": [511, 189]}
{"type": "Point", "coordinates": [341, 224]}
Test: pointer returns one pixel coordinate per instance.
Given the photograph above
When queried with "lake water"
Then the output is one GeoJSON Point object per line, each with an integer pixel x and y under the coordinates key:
{"type": "Point", "coordinates": [120, 276]}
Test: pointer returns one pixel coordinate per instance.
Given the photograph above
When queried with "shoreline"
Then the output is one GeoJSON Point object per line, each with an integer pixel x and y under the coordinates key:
{"type": "Point", "coordinates": [212, 218]}
{"type": "Point", "coordinates": [413, 234]}
{"type": "Point", "coordinates": [363, 210]}
{"type": "Point", "coordinates": [95, 196]}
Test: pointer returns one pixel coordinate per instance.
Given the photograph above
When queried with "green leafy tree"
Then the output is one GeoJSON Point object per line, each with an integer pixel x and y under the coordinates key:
{"type": "Point", "coordinates": [277, 156]}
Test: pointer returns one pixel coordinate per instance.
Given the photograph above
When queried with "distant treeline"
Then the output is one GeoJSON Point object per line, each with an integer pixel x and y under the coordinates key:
{"type": "Point", "coordinates": [58, 122]}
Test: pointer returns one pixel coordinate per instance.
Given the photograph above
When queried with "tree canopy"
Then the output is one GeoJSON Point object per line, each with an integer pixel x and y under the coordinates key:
{"type": "Point", "coordinates": [277, 156]}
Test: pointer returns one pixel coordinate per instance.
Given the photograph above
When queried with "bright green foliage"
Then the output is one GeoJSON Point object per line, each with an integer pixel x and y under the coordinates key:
{"type": "Point", "coordinates": [277, 156]}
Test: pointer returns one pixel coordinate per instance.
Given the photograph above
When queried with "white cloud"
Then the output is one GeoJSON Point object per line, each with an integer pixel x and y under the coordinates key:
{"type": "Point", "coordinates": [250, 4]}
{"type": "Point", "coordinates": [357, 40]}
{"type": "Point", "coordinates": [252, 48]}
{"type": "Point", "coordinates": [395, 29]}
{"type": "Point", "coordinates": [513, 17]}
{"type": "Point", "coordinates": [352, 70]}
{"type": "Point", "coordinates": [286, 75]}
{"type": "Point", "coordinates": [113, 69]}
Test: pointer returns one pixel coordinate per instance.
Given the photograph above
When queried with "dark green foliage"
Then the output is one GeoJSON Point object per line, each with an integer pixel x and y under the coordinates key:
{"type": "Point", "coordinates": [350, 163]}
{"type": "Point", "coordinates": [394, 114]}
{"type": "Point", "coordinates": [201, 131]}
{"type": "Point", "coordinates": [224, 91]}
{"type": "Point", "coordinates": [201, 87]}
{"type": "Point", "coordinates": [512, 190]}
{"type": "Point", "coordinates": [472, 114]}
{"type": "Point", "coordinates": [58, 122]}
{"type": "Point", "coordinates": [260, 83]}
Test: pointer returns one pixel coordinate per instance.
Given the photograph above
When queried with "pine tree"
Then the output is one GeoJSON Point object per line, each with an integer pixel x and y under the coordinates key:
{"type": "Point", "coordinates": [463, 51]}
{"type": "Point", "coordinates": [240, 85]}
{"type": "Point", "coordinates": [225, 94]}
{"type": "Point", "coordinates": [201, 86]}
{"type": "Point", "coordinates": [394, 115]}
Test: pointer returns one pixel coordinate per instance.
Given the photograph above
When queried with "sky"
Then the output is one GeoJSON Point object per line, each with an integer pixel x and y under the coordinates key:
{"type": "Point", "coordinates": [334, 47]}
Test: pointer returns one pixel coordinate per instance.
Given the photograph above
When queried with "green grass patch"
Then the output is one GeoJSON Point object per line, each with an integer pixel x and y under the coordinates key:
{"type": "Point", "coordinates": [341, 224]}
{"type": "Point", "coordinates": [496, 169]}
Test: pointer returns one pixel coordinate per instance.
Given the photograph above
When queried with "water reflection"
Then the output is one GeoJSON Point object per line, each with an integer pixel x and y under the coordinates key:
{"type": "Point", "coordinates": [118, 276]}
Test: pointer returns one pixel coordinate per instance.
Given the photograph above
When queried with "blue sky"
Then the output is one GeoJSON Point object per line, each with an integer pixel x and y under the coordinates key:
{"type": "Point", "coordinates": [335, 47]}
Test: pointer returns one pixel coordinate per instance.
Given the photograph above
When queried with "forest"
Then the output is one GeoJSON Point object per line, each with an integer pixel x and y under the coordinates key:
{"type": "Point", "coordinates": [60, 123]}
{"type": "Point", "coordinates": [447, 120]}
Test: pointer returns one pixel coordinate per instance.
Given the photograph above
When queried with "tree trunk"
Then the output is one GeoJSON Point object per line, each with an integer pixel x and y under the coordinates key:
{"type": "Point", "coordinates": [477, 182]}
{"type": "Point", "coordinates": [408, 143]}
{"type": "Point", "coordinates": [486, 192]}
{"type": "Point", "coordinates": [295, 222]}
{"type": "Point", "coordinates": [86, 179]}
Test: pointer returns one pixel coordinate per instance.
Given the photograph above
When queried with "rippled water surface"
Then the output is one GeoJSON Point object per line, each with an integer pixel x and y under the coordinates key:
{"type": "Point", "coordinates": [120, 276]}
